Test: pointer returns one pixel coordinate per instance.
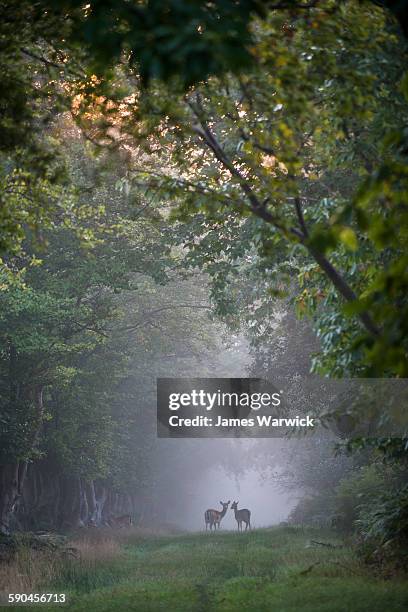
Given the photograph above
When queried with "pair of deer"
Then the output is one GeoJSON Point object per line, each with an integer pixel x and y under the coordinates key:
{"type": "Point", "coordinates": [213, 517]}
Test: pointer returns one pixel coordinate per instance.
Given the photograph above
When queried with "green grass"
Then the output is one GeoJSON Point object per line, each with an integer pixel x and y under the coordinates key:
{"type": "Point", "coordinates": [268, 569]}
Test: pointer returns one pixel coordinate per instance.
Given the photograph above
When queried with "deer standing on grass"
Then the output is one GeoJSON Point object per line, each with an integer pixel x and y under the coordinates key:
{"type": "Point", "coordinates": [120, 521]}
{"type": "Point", "coordinates": [213, 517]}
{"type": "Point", "coordinates": [242, 516]}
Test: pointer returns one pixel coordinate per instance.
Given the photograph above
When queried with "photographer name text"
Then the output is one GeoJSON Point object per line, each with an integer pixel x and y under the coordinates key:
{"type": "Point", "coordinates": [259, 421]}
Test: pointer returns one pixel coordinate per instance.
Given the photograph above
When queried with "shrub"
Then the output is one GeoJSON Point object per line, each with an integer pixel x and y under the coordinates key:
{"type": "Point", "coordinates": [360, 489]}
{"type": "Point", "coordinates": [384, 529]}
{"type": "Point", "coordinates": [317, 510]}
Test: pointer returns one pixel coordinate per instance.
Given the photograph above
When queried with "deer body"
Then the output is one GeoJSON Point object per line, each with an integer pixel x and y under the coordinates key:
{"type": "Point", "coordinates": [213, 517]}
{"type": "Point", "coordinates": [242, 516]}
{"type": "Point", "coordinates": [120, 521]}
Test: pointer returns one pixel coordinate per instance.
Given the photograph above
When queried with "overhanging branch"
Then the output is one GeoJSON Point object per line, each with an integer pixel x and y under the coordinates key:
{"type": "Point", "coordinates": [259, 209]}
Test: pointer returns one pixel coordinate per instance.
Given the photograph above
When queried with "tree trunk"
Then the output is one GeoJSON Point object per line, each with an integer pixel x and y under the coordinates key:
{"type": "Point", "coordinates": [13, 474]}
{"type": "Point", "coordinates": [101, 496]}
{"type": "Point", "coordinates": [83, 503]}
{"type": "Point", "coordinates": [8, 494]}
{"type": "Point", "coordinates": [91, 501]}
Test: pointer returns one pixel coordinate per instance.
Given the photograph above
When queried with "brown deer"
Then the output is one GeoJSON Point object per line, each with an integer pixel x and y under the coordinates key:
{"type": "Point", "coordinates": [213, 517]}
{"type": "Point", "coordinates": [120, 521]}
{"type": "Point", "coordinates": [241, 516]}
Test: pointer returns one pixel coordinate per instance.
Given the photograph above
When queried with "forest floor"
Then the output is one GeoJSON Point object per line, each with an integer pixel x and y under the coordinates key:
{"type": "Point", "coordinates": [277, 569]}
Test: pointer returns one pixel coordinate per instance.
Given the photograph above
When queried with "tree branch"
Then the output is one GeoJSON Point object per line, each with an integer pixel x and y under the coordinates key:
{"type": "Point", "coordinates": [146, 320]}
{"type": "Point", "coordinates": [260, 210]}
{"type": "Point", "coordinates": [299, 212]}
{"type": "Point", "coordinates": [293, 6]}
{"type": "Point", "coordinates": [51, 64]}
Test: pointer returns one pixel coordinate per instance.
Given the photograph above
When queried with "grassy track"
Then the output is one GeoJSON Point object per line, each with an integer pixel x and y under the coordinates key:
{"type": "Point", "coordinates": [269, 569]}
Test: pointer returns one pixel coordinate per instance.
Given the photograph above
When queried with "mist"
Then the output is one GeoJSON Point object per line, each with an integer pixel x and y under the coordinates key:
{"type": "Point", "coordinates": [198, 474]}
{"type": "Point", "coordinates": [268, 505]}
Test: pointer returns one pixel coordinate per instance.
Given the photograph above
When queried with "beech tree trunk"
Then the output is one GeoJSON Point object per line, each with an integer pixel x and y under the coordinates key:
{"type": "Point", "coordinates": [13, 474]}
{"type": "Point", "coordinates": [42, 498]}
{"type": "Point", "coordinates": [101, 496]}
{"type": "Point", "coordinates": [9, 494]}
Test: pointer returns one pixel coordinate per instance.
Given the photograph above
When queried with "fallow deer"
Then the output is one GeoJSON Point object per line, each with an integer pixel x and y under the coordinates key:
{"type": "Point", "coordinates": [213, 517]}
{"type": "Point", "coordinates": [120, 521]}
{"type": "Point", "coordinates": [242, 516]}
